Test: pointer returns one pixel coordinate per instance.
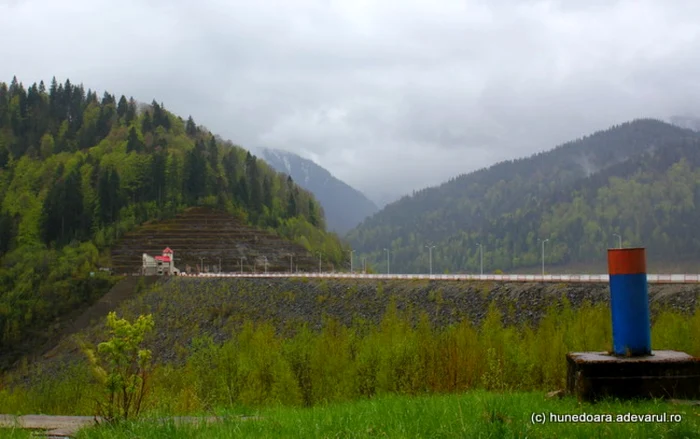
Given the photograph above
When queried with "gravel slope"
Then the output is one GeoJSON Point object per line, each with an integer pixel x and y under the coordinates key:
{"type": "Point", "coordinates": [184, 308]}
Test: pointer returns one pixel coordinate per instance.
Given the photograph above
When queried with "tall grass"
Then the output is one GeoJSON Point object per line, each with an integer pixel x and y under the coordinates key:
{"type": "Point", "coordinates": [475, 414]}
{"type": "Point", "coordinates": [16, 433]}
{"type": "Point", "coordinates": [259, 367]}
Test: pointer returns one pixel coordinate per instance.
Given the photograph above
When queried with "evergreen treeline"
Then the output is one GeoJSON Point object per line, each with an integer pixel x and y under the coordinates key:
{"type": "Point", "coordinates": [639, 180]}
{"type": "Point", "coordinates": [78, 170]}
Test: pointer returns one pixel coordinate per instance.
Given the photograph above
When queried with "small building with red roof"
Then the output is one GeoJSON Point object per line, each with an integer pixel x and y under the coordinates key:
{"type": "Point", "coordinates": [159, 265]}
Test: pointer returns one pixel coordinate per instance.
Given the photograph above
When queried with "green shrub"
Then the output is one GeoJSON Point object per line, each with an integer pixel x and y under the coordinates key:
{"type": "Point", "coordinates": [121, 366]}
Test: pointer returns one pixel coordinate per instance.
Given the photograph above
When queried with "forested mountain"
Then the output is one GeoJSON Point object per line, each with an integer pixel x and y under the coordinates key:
{"type": "Point", "coordinates": [639, 179]}
{"type": "Point", "coordinates": [78, 170]}
{"type": "Point", "coordinates": [344, 206]}
{"type": "Point", "coordinates": [690, 122]}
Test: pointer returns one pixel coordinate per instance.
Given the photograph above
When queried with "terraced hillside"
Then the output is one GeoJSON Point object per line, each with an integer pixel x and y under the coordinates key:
{"type": "Point", "coordinates": [213, 236]}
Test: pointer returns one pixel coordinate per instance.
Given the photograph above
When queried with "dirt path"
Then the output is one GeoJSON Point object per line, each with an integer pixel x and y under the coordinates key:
{"type": "Point", "coordinates": [67, 426]}
{"type": "Point", "coordinates": [53, 426]}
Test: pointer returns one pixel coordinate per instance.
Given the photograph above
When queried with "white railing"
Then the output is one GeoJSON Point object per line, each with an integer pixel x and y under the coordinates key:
{"type": "Point", "coordinates": [553, 278]}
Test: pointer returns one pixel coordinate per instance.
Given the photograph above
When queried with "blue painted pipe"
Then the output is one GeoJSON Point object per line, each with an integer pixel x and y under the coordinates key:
{"type": "Point", "coordinates": [629, 302]}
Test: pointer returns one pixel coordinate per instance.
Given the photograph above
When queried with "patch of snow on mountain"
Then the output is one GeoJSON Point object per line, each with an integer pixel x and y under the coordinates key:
{"type": "Point", "coordinates": [305, 168]}
{"type": "Point", "coordinates": [272, 153]}
{"type": "Point", "coordinates": [287, 166]}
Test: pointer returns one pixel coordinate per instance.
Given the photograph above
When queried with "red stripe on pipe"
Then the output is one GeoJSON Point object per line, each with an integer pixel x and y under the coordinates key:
{"type": "Point", "coordinates": [626, 261]}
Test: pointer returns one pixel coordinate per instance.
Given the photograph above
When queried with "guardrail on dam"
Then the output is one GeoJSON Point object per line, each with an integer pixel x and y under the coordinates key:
{"type": "Point", "coordinates": [557, 278]}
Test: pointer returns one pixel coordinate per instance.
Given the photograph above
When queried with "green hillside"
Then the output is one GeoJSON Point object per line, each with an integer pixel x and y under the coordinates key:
{"type": "Point", "coordinates": [78, 171]}
{"type": "Point", "coordinates": [639, 180]}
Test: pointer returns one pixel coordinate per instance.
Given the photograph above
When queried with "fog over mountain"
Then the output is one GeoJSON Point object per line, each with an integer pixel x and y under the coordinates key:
{"type": "Point", "coordinates": [389, 96]}
{"type": "Point", "coordinates": [344, 206]}
{"type": "Point", "coordinates": [639, 180]}
{"type": "Point", "coordinates": [690, 122]}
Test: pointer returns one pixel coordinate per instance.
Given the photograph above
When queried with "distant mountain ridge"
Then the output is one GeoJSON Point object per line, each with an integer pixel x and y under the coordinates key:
{"type": "Point", "coordinates": [344, 206]}
{"type": "Point", "coordinates": [689, 122]}
{"type": "Point", "coordinates": [564, 195]}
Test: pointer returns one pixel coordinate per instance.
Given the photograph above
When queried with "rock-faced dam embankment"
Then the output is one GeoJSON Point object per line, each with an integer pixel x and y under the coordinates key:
{"type": "Point", "coordinates": [218, 306]}
{"type": "Point", "coordinates": [185, 308]}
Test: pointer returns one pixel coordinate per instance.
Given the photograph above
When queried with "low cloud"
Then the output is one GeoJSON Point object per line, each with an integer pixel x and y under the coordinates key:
{"type": "Point", "coordinates": [389, 96]}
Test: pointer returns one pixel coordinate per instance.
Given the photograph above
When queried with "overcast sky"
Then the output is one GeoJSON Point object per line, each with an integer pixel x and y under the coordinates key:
{"type": "Point", "coordinates": [389, 95]}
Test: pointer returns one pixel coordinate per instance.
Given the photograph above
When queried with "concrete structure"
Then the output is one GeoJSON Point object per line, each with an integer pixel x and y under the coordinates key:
{"type": "Point", "coordinates": [159, 265]}
{"type": "Point", "coordinates": [664, 374]}
{"type": "Point", "coordinates": [632, 369]}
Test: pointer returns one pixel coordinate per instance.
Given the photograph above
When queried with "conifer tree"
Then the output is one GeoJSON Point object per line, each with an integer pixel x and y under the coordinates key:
{"type": "Point", "coordinates": [254, 183]}
{"type": "Point", "coordinates": [122, 107]}
{"type": "Point", "coordinates": [243, 192]}
{"type": "Point", "coordinates": [157, 173]}
{"type": "Point", "coordinates": [313, 214]}
{"type": "Point", "coordinates": [196, 174]}
{"type": "Point", "coordinates": [133, 143]}
{"type": "Point", "coordinates": [267, 192]}
{"type": "Point", "coordinates": [130, 114]}
{"type": "Point", "coordinates": [230, 163]}
{"type": "Point", "coordinates": [146, 123]}
{"type": "Point", "coordinates": [191, 127]}
{"type": "Point", "coordinates": [213, 153]}
{"type": "Point", "coordinates": [292, 204]}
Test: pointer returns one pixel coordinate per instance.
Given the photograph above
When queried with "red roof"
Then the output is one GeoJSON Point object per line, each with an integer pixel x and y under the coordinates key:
{"type": "Point", "coordinates": [163, 258]}
{"type": "Point", "coordinates": [167, 250]}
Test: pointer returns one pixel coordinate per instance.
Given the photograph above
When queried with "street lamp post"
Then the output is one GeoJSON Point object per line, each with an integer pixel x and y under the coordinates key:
{"type": "Point", "coordinates": [291, 263]}
{"type": "Point", "coordinates": [351, 253]}
{"type": "Point", "coordinates": [619, 240]}
{"type": "Point", "coordinates": [387, 260]}
{"type": "Point", "coordinates": [265, 258]}
{"type": "Point", "coordinates": [481, 259]}
{"type": "Point", "coordinates": [319, 262]}
{"type": "Point", "coordinates": [430, 257]}
{"type": "Point", "coordinates": [219, 265]}
{"type": "Point", "coordinates": [201, 264]}
{"type": "Point", "coordinates": [543, 241]}
{"type": "Point", "coordinates": [364, 265]}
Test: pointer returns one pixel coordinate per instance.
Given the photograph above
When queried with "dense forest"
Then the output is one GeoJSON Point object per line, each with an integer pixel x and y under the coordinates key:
{"type": "Point", "coordinates": [639, 180]}
{"type": "Point", "coordinates": [77, 171]}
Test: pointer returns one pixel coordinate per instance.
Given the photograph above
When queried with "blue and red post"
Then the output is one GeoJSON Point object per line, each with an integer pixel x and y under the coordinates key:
{"type": "Point", "coordinates": [629, 302]}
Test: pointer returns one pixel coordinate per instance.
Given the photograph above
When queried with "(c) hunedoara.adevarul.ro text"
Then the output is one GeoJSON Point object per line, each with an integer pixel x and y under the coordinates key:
{"type": "Point", "coordinates": [554, 418]}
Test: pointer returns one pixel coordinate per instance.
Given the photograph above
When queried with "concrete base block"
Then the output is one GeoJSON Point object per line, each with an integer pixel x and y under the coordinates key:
{"type": "Point", "coordinates": [663, 374]}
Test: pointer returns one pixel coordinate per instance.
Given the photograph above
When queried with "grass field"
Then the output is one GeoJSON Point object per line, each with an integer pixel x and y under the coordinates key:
{"type": "Point", "coordinates": [15, 433]}
{"type": "Point", "coordinates": [473, 414]}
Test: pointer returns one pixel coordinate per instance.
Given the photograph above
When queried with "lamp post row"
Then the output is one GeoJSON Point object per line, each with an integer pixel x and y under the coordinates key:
{"type": "Point", "coordinates": [242, 258]}
{"type": "Point", "coordinates": [481, 254]}
{"type": "Point", "coordinates": [388, 270]}
{"type": "Point", "coordinates": [430, 251]}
